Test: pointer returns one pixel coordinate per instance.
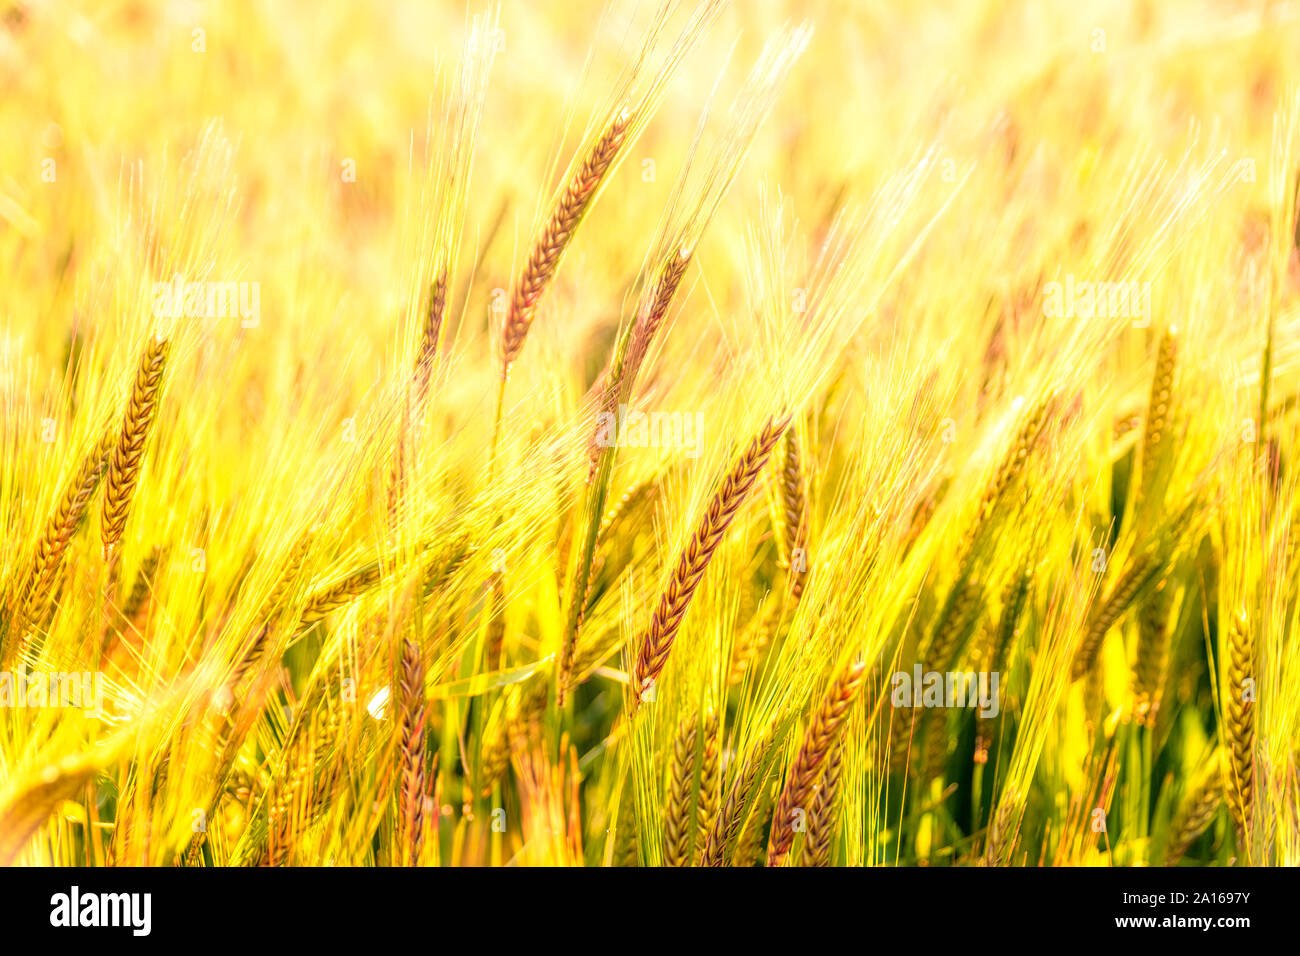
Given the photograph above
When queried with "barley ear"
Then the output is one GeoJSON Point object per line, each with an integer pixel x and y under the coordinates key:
{"type": "Point", "coordinates": [657, 642]}
{"type": "Point", "coordinates": [1197, 810]}
{"type": "Point", "coordinates": [677, 811]}
{"type": "Point", "coordinates": [1239, 712]}
{"type": "Point", "coordinates": [124, 465]}
{"type": "Point", "coordinates": [818, 742]}
{"type": "Point", "coordinates": [550, 243]}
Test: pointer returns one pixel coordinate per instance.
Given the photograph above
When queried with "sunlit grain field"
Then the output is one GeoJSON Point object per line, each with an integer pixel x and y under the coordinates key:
{"type": "Point", "coordinates": [774, 433]}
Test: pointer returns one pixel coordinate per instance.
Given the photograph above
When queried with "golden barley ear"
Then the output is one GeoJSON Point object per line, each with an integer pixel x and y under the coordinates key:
{"type": "Point", "coordinates": [627, 851]}
{"type": "Point", "coordinates": [416, 398]}
{"type": "Point", "coordinates": [494, 755]}
{"type": "Point", "coordinates": [618, 380]}
{"type": "Point", "coordinates": [340, 593]}
{"type": "Point", "coordinates": [754, 638]}
{"type": "Point", "coordinates": [1155, 443]}
{"type": "Point", "coordinates": [430, 338]}
{"type": "Point", "coordinates": [710, 781]}
{"type": "Point", "coordinates": [794, 500]}
{"type": "Point", "coordinates": [1004, 830]}
{"type": "Point", "coordinates": [34, 596]}
{"type": "Point", "coordinates": [495, 642]}
{"type": "Point", "coordinates": [658, 640]}
{"type": "Point", "coordinates": [1239, 723]}
{"type": "Point", "coordinates": [124, 465]}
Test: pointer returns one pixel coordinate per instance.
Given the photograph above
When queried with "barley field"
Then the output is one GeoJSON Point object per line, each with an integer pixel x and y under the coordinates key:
{"type": "Point", "coordinates": [625, 433]}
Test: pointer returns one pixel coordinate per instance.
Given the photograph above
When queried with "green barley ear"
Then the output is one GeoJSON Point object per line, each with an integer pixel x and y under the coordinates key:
{"type": "Point", "coordinates": [1152, 661]}
{"type": "Point", "coordinates": [1197, 810]}
{"type": "Point", "coordinates": [1139, 573]}
{"type": "Point", "coordinates": [710, 779]}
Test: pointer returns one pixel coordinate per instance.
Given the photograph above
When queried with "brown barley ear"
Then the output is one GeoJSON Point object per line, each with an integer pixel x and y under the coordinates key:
{"type": "Point", "coordinates": [822, 815]}
{"type": "Point", "coordinates": [411, 753]}
{"type": "Point", "coordinates": [730, 818]}
{"type": "Point", "coordinates": [794, 502]}
{"type": "Point", "coordinates": [550, 243]}
{"type": "Point", "coordinates": [676, 598]}
{"type": "Point", "coordinates": [818, 742]}
{"type": "Point", "coordinates": [677, 811]}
